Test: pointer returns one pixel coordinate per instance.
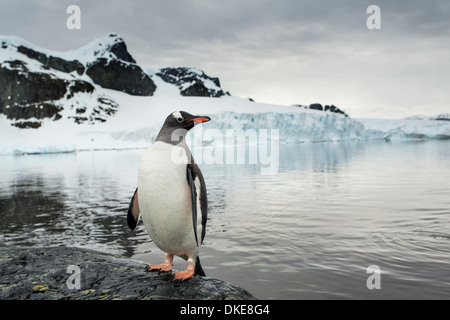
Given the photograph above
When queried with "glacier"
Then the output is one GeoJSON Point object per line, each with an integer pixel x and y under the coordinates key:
{"type": "Point", "coordinates": [138, 120]}
{"type": "Point", "coordinates": [401, 129]}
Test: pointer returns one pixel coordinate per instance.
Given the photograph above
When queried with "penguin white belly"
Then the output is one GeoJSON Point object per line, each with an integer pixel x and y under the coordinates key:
{"type": "Point", "coordinates": [165, 199]}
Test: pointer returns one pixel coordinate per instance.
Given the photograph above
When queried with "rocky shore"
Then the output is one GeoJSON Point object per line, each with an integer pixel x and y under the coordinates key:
{"type": "Point", "coordinates": [62, 273]}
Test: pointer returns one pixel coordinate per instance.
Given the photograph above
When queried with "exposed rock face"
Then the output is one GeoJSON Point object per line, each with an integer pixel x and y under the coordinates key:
{"type": "Point", "coordinates": [335, 109]}
{"type": "Point", "coordinates": [18, 85]}
{"type": "Point", "coordinates": [42, 273]}
{"type": "Point", "coordinates": [51, 62]}
{"type": "Point", "coordinates": [192, 82]}
{"type": "Point", "coordinates": [21, 99]}
{"type": "Point", "coordinates": [119, 49]}
{"type": "Point", "coordinates": [319, 107]}
{"type": "Point", "coordinates": [114, 68]}
{"type": "Point", "coordinates": [117, 75]}
{"type": "Point", "coordinates": [316, 106]}
{"type": "Point", "coordinates": [36, 85]}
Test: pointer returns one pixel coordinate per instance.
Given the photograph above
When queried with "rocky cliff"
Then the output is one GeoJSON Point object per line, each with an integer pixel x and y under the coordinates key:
{"type": "Point", "coordinates": [192, 82]}
{"type": "Point", "coordinates": [38, 85]}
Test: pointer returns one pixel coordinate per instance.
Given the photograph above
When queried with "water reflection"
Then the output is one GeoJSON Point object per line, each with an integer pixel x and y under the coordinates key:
{"type": "Point", "coordinates": [28, 209]}
{"type": "Point", "coordinates": [320, 157]}
{"type": "Point", "coordinates": [74, 200]}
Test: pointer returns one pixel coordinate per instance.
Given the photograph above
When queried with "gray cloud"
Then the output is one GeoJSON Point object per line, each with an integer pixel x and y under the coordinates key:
{"type": "Point", "coordinates": [283, 52]}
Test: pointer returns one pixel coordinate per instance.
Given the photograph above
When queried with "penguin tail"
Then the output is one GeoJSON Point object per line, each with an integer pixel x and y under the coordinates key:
{"type": "Point", "coordinates": [198, 268]}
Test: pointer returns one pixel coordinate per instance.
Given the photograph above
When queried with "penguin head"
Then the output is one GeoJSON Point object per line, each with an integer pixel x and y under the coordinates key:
{"type": "Point", "coordinates": [184, 120]}
{"type": "Point", "coordinates": [177, 124]}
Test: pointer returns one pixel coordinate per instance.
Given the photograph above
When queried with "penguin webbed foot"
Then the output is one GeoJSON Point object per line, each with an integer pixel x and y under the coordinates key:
{"type": "Point", "coordinates": [186, 274]}
{"type": "Point", "coordinates": [164, 267]}
{"type": "Point", "coordinates": [183, 275]}
{"type": "Point", "coordinates": [159, 267]}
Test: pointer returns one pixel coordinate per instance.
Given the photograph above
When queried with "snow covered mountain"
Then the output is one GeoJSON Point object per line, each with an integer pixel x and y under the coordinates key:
{"type": "Point", "coordinates": [38, 84]}
{"type": "Point", "coordinates": [98, 97]}
{"type": "Point", "coordinates": [192, 82]}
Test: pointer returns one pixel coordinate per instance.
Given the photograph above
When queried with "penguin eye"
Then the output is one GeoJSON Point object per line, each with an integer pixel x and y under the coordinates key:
{"type": "Point", "coordinates": [180, 119]}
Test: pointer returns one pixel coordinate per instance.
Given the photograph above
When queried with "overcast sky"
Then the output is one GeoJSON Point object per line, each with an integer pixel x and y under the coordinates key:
{"type": "Point", "coordinates": [283, 52]}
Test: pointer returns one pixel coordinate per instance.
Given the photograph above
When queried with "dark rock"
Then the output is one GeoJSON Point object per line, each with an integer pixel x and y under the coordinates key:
{"type": "Point", "coordinates": [42, 274]}
{"type": "Point", "coordinates": [79, 120]}
{"type": "Point", "coordinates": [27, 124]}
{"type": "Point", "coordinates": [52, 62]}
{"type": "Point", "coordinates": [32, 54]}
{"type": "Point", "coordinates": [103, 108]}
{"type": "Point", "coordinates": [64, 65]}
{"type": "Point", "coordinates": [335, 109]}
{"type": "Point", "coordinates": [121, 76]}
{"type": "Point", "coordinates": [20, 98]}
{"type": "Point", "coordinates": [76, 86]}
{"type": "Point", "coordinates": [192, 82]}
{"type": "Point", "coordinates": [18, 85]}
{"type": "Point", "coordinates": [119, 48]}
{"type": "Point", "coordinates": [316, 106]}
{"type": "Point", "coordinates": [25, 95]}
{"type": "Point", "coordinates": [197, 89]}
{"type": "Point", "coordinates": [38, 111]}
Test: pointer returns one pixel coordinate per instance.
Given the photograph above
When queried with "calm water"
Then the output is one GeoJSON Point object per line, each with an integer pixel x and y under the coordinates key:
{"type": "Point", "coordinates": [308, 232]}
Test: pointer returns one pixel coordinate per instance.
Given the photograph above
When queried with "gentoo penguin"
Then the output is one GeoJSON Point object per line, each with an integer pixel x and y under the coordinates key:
{"type": "Point", "coordinates": [171, 196]}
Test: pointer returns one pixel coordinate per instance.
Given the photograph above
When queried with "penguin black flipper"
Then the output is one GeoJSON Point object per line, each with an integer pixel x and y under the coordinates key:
{"type": "Point", "coordinates": [133, 211]}
{"type": "Point", "coordinates": [202, 198]}
{"type": "Point", "coordinates": [198, 200]}
{"type": "Point", "coordinates": [190, 178]}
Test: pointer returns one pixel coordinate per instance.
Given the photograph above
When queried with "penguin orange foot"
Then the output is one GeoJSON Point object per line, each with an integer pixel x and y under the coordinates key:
{"type": "Point", "coordinates": [188, 273]}
{"type": "Point", "coordinates": [184, 275]}
{"type": "Point", "coordinates": [159, 267]}
{"type": "Point", "coordinates": [165, 267]}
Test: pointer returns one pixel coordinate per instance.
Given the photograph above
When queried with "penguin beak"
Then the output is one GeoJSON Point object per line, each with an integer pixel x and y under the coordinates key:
{"type": "Point", "coordinates": [200, 119]}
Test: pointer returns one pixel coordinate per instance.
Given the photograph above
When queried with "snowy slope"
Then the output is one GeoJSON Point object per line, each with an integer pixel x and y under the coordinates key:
{"type": "Point", "coordinates": [98, 48]}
